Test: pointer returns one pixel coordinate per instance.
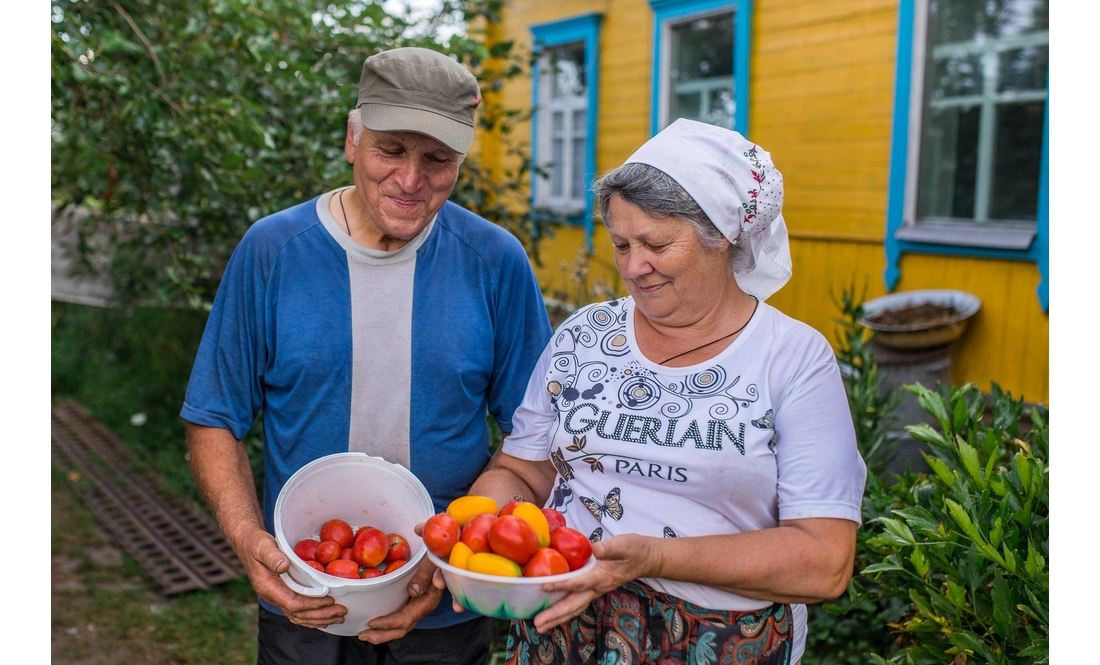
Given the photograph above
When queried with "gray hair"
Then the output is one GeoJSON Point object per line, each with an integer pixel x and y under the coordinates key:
{"type": "Point", "coordinates": [355, 121]}
{"type": "Point", "coordinates": [658, 195]}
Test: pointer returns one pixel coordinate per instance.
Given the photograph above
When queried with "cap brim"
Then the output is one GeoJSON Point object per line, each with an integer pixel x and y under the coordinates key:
{"type": "Point", "coordinates": [386, 118]}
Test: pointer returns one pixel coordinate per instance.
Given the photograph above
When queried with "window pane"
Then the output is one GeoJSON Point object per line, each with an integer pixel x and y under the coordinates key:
{"type": "Point", "coordinates": [557, 123]}
{"type": "Point", "coordinates": [688, 105]}
{"type": "Point", "coordinates": [566, 64]}
{"type": "Point", "coordinates": [579, 122]}
{"type": "Point", "coordinates": [956, 76]}
{"type": "Point", "coordinates": [1016, 167]}
{"type": "Point", "coordinates": [557, 168]}
{"type": "Point", "coordinates": [949, 159]}
{"type": "Point", "coordinates": [701, 70]}
{"type": "Point", "coordinates": [952, 21]}
{"type": "Point", "coordinates": [985, 87]}
{"type": "Point", "coordinates": [1023, 69]}
{"type": "Point", "coordinates": [576, 190]}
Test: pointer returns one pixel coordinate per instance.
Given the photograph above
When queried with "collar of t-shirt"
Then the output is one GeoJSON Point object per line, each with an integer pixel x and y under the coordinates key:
{"type": "Point", "coordinates": [359, 252]}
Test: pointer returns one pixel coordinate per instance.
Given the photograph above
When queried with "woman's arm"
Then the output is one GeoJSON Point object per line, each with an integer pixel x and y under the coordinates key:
{"type": "Point", "coordinates": [800, 561]}
{"type": "Point", "coordinates": [506, 477]}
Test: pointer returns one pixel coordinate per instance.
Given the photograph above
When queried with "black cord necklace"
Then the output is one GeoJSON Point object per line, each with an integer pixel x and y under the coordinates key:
{"type": "Point", "coordinates": [715, 341]}
{"type": "Point", "coordinates": [340, 198]}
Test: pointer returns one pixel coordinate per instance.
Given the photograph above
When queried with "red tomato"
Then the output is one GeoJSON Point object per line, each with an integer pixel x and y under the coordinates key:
{"type": "Point", "coordinates": [476, 532]}
{"type": "Point", "coordinates": [553, 518]}
{"type": "Point", "coordinates": [370, 547]}
{"type": "Point", "coordinates": [572, 544]}
{"type": "Point", "coordinates": [327, 552]}
{"type": "Point", "coordinates": [370, 572]}
{"type": "Point", "coordinates": [345, 554]}
{"type": "Point", "coordinates": [399, 548]}
{"type": "Point", "coordinates": [513, 538]}
{"type": "Point", "coordinates": [440, 534]}
{"type": "Point", "coordinates": [313, 564]}
{"type": "Point", "coordinates": [307, 549]}
{"type": "Point", "coordinates": [393, 565]}
{"type": "Point", "coordinates": [342, 568]}
{"type": "Point", "coordinates": [547, 561]}
{"type": "Point", "coordinates": [339, 531]}
{"type": "Point", "coordinates": [508, 508]}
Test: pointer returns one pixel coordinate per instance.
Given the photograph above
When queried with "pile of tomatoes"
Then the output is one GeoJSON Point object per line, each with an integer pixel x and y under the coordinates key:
{"type": "Point", "coordinates": [353, 554]}
{"type": "Point", "coordinates": [517, 540]}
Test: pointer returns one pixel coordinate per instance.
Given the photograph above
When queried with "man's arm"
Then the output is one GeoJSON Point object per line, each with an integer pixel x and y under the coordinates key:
{"type": "Point", "coordinates": [224, 478]}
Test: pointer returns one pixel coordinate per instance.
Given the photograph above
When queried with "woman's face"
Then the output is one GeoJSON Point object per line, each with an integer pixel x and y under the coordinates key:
{"type": "Point", "coordinates": [673, 279]}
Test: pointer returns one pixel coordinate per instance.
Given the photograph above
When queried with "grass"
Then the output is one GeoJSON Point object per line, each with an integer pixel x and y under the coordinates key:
{"type": "Point", "coordinates": [104, 610]}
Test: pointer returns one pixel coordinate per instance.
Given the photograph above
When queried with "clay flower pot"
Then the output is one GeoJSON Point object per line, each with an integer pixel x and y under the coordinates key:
{"type": "Point", "coordinates": [914, 320]}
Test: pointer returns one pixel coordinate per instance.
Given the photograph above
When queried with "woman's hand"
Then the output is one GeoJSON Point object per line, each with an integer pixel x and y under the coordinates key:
{"type": "Point", "coordinates": [620, 559]}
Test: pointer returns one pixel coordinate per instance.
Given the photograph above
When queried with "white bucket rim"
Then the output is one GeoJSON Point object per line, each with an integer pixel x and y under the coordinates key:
{"type": "Point", "coordinates": [322, 579]}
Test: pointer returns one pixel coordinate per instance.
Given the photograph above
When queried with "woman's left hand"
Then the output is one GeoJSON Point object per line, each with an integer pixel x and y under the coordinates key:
{"type": "Point", "coordinates": [619, 560]}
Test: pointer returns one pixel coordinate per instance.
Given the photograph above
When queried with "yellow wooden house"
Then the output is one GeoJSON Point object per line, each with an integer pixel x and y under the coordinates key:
{"type": "Point", "coordinates": [911, 135]}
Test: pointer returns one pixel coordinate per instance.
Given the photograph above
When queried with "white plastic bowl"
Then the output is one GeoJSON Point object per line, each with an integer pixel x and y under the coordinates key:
{"type": "Point", "coordinates": [361, 490]}
{"type": "Point", "coordinates": [504, 597]}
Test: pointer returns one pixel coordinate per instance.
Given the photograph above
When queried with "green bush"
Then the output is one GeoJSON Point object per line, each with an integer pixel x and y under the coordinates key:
{"type": "Point", "coordinates": [178, 123]}
{"type": "Point", "coordinates": [952, 563]}
{"type": "Point", "coordinates": [968, 543]}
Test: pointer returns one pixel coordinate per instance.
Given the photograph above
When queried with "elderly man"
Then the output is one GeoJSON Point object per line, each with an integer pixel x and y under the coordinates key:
{"type": "Point", "coordinates": [380, 318]}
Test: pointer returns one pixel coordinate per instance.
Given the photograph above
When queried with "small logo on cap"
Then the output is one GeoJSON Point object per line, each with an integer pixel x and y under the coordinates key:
{"type": "Point", "coordinates": [477, 102]}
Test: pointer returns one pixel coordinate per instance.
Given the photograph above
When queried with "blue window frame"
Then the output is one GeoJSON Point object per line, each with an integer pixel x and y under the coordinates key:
{"type": "Point", "coordinates": [700, 94]}
{"type": "Point", "coordinates": [576, 39]}
{"type": "Point", "coordinates": [958, 76]}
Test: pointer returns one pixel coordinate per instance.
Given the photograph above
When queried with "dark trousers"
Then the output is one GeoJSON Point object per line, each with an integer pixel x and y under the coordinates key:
{"type": "Point", "coordinates": [284, 643]}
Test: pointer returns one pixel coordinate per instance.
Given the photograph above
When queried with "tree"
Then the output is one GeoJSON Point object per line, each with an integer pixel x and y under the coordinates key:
{"type": "Point", "coordinates": [178, 123]}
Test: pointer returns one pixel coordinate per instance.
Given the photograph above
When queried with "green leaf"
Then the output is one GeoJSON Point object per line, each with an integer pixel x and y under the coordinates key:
{"type": "Point", "coordinates": [919, 562]}
{"type": "Point", "coordinates": [969, 458]}
{"type": "Point", "coordinates": [940, 469]}
{"type": "Point", "coordinates": [880, 567]}
{"type": "Point", "coordinates": [1009, 559]}
{"type": "Point", "coordinates": [1035, 562]}
{"type": "Point", "coordinates": [996, 533]}
{"type": "Point", "coordinates": [955, 594]}
{"type": "Point", "coordinates": [1003, 603]}
{"type": "Point", "coordinates": [927, 434]}
{"type": "Point", "coordinates": [899, 529]}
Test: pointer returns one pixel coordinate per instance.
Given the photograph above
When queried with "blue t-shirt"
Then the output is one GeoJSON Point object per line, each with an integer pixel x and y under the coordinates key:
{"type": "Point", "coordinates": [398, 354]}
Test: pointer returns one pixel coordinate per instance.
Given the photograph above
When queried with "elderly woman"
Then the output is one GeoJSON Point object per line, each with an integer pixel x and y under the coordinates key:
{"type": "Point", "coordinates": [700, 436]}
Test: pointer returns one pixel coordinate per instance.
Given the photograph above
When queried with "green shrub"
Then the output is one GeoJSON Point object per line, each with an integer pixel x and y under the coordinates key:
{"type": "Point", "coordinates": [967, 545]}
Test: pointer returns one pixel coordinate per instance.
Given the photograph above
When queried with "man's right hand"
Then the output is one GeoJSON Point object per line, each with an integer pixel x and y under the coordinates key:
{"type": "Point", "coordinates": [224, 478]}
{"type": "Point", "coordinates": [264, 562]}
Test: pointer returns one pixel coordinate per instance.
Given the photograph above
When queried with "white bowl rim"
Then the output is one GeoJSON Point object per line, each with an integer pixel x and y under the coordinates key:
{"type": "Point", "coordinates": [511, 581]}
{"type": "Point", "coordinates": [332, 581]}
{"type": "Point", "coordinates": [966, 303]}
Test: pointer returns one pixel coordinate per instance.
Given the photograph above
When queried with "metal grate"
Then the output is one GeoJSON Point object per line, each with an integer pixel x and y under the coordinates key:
{"type": "Point", "coordinates": [180, 546]}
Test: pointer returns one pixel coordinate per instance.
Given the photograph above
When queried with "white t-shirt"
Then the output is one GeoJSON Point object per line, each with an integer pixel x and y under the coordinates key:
{"type": "Point", "coordinates": [759, 433]}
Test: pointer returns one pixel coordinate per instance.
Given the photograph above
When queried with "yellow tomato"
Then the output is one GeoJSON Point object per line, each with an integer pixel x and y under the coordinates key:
{"type": "Point", "coordinates": [460, 555]}
{"type": "Point", "coordinates": [533, 515]}
{"type": "Point", "coordinates": [464, 508]}
{"type": "Point", "coordinates": [493, 564]}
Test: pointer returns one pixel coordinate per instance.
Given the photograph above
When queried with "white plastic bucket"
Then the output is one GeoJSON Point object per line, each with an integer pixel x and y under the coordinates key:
{"type": "Point", "coordinates": [361, 490]}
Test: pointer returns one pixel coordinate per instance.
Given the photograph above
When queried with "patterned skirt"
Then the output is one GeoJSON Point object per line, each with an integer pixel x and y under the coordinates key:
{"type": "Point", "coordinates": [638, 625]}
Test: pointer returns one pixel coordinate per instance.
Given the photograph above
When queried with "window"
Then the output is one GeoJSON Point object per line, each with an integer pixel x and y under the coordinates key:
{"type": "Point", "coordinates": [701, 71]}
{"type": "Point", "coordinates": [563, 123]}
{"type": "Point", "coordinates": [563, 129]}
{"type": "Point", "coordinates": [968, 164]}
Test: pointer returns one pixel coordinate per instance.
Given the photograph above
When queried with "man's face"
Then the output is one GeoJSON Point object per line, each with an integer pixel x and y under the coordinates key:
{"type": "Point", "coordinates": [402, 179]}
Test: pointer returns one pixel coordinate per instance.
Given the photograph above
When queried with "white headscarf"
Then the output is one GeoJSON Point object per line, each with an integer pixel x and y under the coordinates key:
{"type": "Point", "coordinates": [737, 186]}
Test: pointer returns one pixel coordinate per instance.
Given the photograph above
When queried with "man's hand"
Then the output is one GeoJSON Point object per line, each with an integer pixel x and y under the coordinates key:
{"type": "Point", "coordinates": [264, 562]}
{"type": "Point", "coordinates": [424, 595]}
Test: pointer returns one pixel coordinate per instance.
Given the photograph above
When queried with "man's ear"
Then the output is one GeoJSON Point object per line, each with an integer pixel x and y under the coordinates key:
{"type": "Point", "coordinates": [349, 145]}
